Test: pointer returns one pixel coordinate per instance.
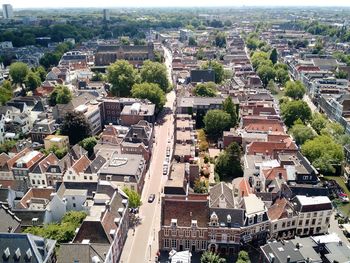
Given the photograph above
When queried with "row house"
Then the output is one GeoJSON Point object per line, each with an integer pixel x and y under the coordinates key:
{"type": "Point", "coordinates": [313, 214]}
{"type": "Point", "coordinates": [184, 222]}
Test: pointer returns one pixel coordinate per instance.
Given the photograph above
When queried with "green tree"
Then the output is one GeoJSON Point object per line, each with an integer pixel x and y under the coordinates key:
{"type": "Point", "coordinates": [122, 76]}
{"type": "Point", "coordinates": [218, 70]}
{"type": "Point", "coordinates": [333, 129]}
{"type": "Point", "coordinates": [60, 153]}
{"type": "Point", "coordinates": [301, 133]}
{"type": "Point", "coordinates": [134, 197]}
{"type": "Point", "coordinates": [318, 122]}
{"type": "Point", "coordinates": [7, 146]}
{"type": "Point", "coordinates": [266, 73]}
{"type": "Point", "coordinates": [220, 39]}
{"type": "Point", "coordinates": [89, 144]}
{"type": "Point", "coordinates": [243, 257]}
{"type": "Point", "coordinates": [215, 122]}
{"type": "Point", "coordinates": [294, 110]}
{"type": "Point", "coordinates": [282, 76]}
{"type": "Point", "coordinates": [295, 89]}
{"type": "Point", "coordinates": [60, 95]}
{"type": "Point", "coordinates": [75, 127]}
{"type": "Point", "coordinates": [64, 231]}
{"type": "Point", "coordinates": [271, 86]}
{"type": "Point", "coordinates": [200, 186]}
{"type": "Point", "coordinates": [155, 72]}
{"type": "Point", "coordinates": [150, 91]}
{"type": "Point", "coordinates": [192, 41]}
{"type": "Point", "coordinates": [324, 153]}
{"type": "Point", "coordinates": [274, 56]}
{"type": "Point", "coordinates": [41, 72]}
{"type": "Point", "coordinates": [18, 72]}
{"type": "Point", "coordinates": [6, 93]}
{"type": "Point", "coordinates": [228, 164]}
{"type": "Point", "coordinates": [341, 74]}
{"type": "Point", "coordinates": [125, 41]}
{"type": "Point", "coordinates": [32, 80]}
{"type": "Point", "coordinates": [210, 257]}
{"type": "Point", "coordinates": [230, 108]}
{"type": "Point", "coordinates": [205, 90]}
{"type": "Point", "coordinates": [258, 58]}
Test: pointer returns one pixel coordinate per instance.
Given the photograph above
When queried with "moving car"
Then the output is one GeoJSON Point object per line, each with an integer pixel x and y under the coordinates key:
{"type": "Point", "coordinates": [151, 198]}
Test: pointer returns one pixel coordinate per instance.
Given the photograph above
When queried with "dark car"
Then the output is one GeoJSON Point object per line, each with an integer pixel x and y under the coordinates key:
{"type": "Point", "coordinates": [151, 198]}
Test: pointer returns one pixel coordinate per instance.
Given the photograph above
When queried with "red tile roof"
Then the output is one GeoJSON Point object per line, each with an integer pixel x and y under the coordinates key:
{"type": "Point", "coordinates": [270, 148]}
{"type": "Point", "coordinates": [80, 165]}
{"type": "Point", "coordinates": [43, 193]}
{"type": "Point", "coordinates": [277, 209]}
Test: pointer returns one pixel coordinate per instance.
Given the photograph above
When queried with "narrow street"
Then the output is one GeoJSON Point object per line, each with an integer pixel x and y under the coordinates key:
{"type": "Point", "coordinates": [142, 245]}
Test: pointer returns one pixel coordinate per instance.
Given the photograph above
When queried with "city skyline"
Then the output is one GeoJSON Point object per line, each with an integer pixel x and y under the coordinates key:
{"type": "Point", "coordinates": [158, 3]}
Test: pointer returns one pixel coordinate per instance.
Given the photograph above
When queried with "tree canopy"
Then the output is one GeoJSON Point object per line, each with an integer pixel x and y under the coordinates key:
{"type": "Point", "coordinates": [274, 56]}
{"type": "Point", "coordinates": [210, 257]}
{"type": "Point", "coordinates": [89, 144]}
{"type": "Point", "coordinates": [201, 186]}
{"type": "Point", "coordinates": [220, 39]}
{"type": "Point", "coordinates": [295, 89]}
{"type": "Point", "coordinates": [5, 92]}
{"type": "Point", "coordinates": [122, 75]}
{"type": "Point", "coordinates": [64, 231]}
{"type": "Point", "coordinates": [215, 122]}
{"type": "Point", "coordinates": [230, 108]}
{"type": "Point", "coordinates": [218, 70]}
{"type": "Point", "coordinates": [243, 257]}
{"type": "Point", "coordinates": [75, 127]}
{"type": "Point", "coordinates": [205, 89]}
{"type": "Point", "coordinates": [134, 197]}
{"type": "Point", "coordinates": [266, 73]}
{"type": "Point", "coordinates": [155, 72]}
{"type": "Point", "coordinates": [294, 110]}
{"type": "Point", "coordinates": [301, 133]}
{"type": "Point", "coordinates": [324, 153]}
{"type": "Point", "coordinates": [228, 164]}
{"type": "Point", "coordinates": [18, 72]}
{"type": "Point", "coordinates": [60, 95]}
{"type": "Point", "coordinates": [150, 91]}
{"type": "Point", "coordinates": [32, 80]}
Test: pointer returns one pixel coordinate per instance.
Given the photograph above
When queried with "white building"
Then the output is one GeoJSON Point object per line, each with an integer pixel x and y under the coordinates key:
{"type": "Point", "coordinates": [7, 11]}
{"type": "Point", "coordinates": [314, 214]}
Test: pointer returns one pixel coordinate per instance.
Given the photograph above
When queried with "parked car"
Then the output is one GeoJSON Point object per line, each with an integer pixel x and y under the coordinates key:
{"type": "Point", "coordinates": [151, 198]}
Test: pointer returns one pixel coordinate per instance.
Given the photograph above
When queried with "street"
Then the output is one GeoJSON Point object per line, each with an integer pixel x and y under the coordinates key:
{"type": "Point", "coordinates": [142, 245]}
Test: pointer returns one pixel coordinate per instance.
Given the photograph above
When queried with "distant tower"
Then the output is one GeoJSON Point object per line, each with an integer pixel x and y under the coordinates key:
{"type": "Point", "coordinates": [7, 11]}
{"type": "Point", "coordinates": [106, 15]}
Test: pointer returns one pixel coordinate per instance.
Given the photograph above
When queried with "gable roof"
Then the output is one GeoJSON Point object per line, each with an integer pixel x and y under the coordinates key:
{"type": "Point", "coordinates": [221, 196]}
{"type": "Point", "coordinates": [80, 165]}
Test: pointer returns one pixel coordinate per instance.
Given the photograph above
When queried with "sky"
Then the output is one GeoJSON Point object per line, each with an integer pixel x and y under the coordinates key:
{"type": "Point", "coordinates": [168, 3]}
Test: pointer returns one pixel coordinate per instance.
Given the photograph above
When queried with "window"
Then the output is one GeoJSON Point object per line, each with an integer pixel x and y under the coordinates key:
{"type": "Point", "coordinates": [293, 223]}
{"type": "Point", "coordinates": [33, 182]}
{"type": "Point", "coordinates": [90, 177]}
{"type": "Point", "coordinates": [315, 214]}
{"type": "Point", "coordinates": [166, 243]}
{"type": "Point", "coordinates": [73, 197]}
{"type": "Point", "coordinates": [319, 221]}
{"type": "Point", "coordinates": [313, 221]}
{"type": "Point", "coordinates": [166, 232]}
{"type": "Point", "coordinates": [173, 232]}
{"type": "Point", "coordinates": [194, 233]}
{"type": "Point", "coordinates": [201, 233]}
{"type": "Point", "coordinates": [251, 220]}
{"type": "Point", "coordinates": [274, 226]}
{"type": "Point", "coordinates": [187, 233]}
{"type": "Point", "coordinates": [288, 224]}
{"type": "Point", "coordinates": [327, 220]}
{"type": "Point", "coordinates": [85, 177]}
{"type": "Point", "coordinates": [300, 222]}
{"type": "Point", "coordinates": [308, 215]}
{"type": "Point", "coordinates": [43, 181]}
{"type": "Point", "coordinates": [74, 205]}
{"type": "Point", "coordinates": [204, 245]}
{"type": "Point", "coordinates": [174, 243]}
{"type": "Point", "coordinates": [38, 181]}
{"type": "Point", "coordinates": [260, 218]}
{"type": "Point", "coordinates": [187, 244]}
{"type": "Point", "coordinates": [284, 224]}
{"type": "Point", "coordinates": [307, 222]}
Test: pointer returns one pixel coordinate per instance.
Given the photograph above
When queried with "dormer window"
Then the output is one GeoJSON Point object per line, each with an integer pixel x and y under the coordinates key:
{"type": "Point", "coordinates": [173, 222]}
{"type": "Point", "coordinates": [214, 219]}
{"type": "Point", "coordinates": [251, 220]}
{"type": "Point", "coordinates": [259, 219]}
{"type": "Point", "coordinates": [228, 219]}
{"type": "Point", "coordinates": [194, 223]}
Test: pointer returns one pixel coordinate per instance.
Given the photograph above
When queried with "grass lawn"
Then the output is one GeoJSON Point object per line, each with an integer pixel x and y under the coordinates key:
{"type": "Point", "coordinates": [344, 207]}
